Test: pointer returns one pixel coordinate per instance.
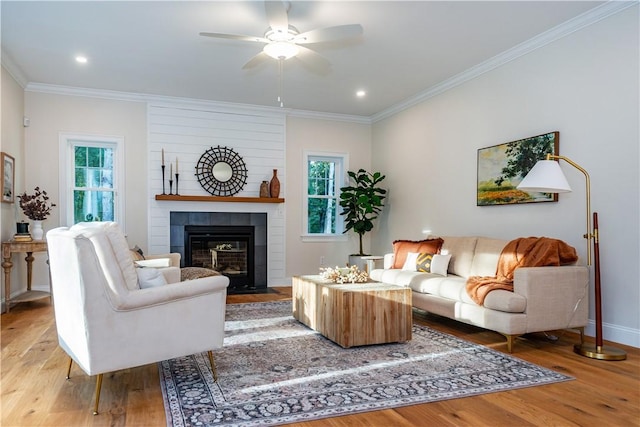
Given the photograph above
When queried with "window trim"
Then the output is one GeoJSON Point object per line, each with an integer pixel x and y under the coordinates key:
{"type": "Point", "coordinates": [67, 141]}
{"type": "Point", "coordinates": [325, 237]}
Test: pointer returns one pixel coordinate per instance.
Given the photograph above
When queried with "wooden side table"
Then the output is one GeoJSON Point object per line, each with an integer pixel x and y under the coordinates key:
{"type": "Point", "coordinates": [29, 248]}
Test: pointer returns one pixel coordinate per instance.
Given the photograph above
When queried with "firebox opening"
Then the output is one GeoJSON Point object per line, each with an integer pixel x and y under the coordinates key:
{"type": "Point", "coordinates": [228, 250]}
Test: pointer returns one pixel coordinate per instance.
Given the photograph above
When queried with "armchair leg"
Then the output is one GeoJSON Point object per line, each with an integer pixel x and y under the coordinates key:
{"type": "Point", "coordinates": [69, 368]}
{"type": "Point", "coordinates": [510, 340]}
{"type": "Point", "coordinates": [213, 366]}
{"type": "Point", "coordinates": [98, 387]}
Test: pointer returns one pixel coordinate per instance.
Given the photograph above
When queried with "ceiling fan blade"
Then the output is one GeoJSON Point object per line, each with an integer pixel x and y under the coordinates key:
{"type": "Point", "coordinates": [256, 60]}
{"type": "Point", "coordinates": [313, 60]}
{"type": "Point", "coordinates": [236, 37]}
{"type": "Point", "coordinates": [277, 16]}
{"type": "Point", "coordinates": [329, 34]}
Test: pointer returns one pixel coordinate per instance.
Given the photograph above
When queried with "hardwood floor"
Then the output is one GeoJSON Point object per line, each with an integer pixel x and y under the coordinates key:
{"type": "Point", "coordinates": [34, 391]}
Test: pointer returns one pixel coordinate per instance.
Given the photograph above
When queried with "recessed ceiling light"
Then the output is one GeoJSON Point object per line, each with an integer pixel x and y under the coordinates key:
{"type": "Point", "coordinates": [361, 93]}
{"type": "Point", "coordinates": [81, 59]}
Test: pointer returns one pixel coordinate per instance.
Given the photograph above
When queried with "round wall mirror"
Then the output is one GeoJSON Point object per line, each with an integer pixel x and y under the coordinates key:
{"type": "Point", "coordinates": [221, 171]}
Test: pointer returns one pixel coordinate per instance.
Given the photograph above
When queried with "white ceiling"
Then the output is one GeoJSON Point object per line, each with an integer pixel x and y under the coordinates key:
{"type": "Point", "coordinates": [149, 47]}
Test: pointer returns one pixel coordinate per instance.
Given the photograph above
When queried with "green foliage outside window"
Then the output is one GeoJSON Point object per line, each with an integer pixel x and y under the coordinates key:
{"type": "Point", "coordinates": [321, 191]}
{"type": "Point", "coordinates": [93, 195]}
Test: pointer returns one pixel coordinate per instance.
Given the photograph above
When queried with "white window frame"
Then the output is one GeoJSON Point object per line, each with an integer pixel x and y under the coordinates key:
{"type": "Point", "coordinates": [67, 143]}
{"type": "Point", "coordinates": [341, 181]}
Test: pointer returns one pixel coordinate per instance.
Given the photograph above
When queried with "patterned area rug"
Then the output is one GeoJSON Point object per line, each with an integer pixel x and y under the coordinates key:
{"type": "Point", "coordinates": [274, 370]}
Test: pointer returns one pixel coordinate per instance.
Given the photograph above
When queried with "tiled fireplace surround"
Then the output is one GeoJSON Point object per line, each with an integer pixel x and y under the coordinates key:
{"type": "Point", "coordinates": [178, 221]}
{"type": "Point", "coordinates": [165, 236]}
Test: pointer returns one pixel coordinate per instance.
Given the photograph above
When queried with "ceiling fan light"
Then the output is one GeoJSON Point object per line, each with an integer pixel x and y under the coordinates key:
{"type": "Point", "coordinates": [281, 50]}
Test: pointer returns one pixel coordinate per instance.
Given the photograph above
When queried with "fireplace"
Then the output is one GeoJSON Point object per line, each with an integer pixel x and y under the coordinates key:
{"type": "Point", "coordinates": [234, 244]}
{"type": "Point", "coordinates": [228, 250]}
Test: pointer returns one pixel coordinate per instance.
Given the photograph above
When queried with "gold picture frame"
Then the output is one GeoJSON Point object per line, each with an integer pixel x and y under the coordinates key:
{"type": "Point", "coordinates": [8, 175]}
{"type": "Point", "coordinates": [502, 167]}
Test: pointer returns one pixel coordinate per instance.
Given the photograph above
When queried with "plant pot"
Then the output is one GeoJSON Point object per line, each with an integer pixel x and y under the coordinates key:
{"type": "Point", "coordinates": [357, 260]}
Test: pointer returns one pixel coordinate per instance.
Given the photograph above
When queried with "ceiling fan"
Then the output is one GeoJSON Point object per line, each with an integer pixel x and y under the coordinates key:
{"type": "Point", "coordinates": [283, 41]}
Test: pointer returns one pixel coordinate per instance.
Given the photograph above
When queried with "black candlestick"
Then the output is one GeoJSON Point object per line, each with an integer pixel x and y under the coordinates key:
{"type": "Point", "coordinates": [177, 175]}
{"type": "Point", "coordinates": [170, 187]}
{"type": "Point", "coordinates": [163, 180]}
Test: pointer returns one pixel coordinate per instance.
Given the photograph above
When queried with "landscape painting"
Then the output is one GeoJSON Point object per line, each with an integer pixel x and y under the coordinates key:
{"type": "Point", "coordinates": [502, 167]}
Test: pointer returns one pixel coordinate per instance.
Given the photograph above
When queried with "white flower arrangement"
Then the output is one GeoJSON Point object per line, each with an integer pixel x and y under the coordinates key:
{"type": "Point", "coordinates": [344, 275]}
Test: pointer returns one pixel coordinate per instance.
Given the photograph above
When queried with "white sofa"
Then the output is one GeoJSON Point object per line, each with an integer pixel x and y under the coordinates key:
{"type": "Point", "coordinates": [544, 298]}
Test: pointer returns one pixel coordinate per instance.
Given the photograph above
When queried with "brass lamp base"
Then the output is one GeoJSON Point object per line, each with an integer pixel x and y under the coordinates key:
{"type": "Point", "coordinates": [602, 353]}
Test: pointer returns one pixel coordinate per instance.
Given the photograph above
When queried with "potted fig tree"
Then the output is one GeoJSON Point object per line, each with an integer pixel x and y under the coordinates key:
{"type": "Point", "coordinates": [361, 203]}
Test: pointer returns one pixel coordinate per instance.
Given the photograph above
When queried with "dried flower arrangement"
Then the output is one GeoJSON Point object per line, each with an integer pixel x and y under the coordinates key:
{"type": "Point", "coordinates": [344, 275]}
{"type": "Point", "coordinates": [36, 206]}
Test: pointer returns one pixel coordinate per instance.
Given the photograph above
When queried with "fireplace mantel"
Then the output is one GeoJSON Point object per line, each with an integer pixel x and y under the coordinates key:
{"type": "Point", "coordinates": [181, 198]}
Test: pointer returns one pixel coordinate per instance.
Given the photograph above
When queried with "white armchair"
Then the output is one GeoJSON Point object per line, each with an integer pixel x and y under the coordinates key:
{"type": "Point", "coordinates": [105, 322]}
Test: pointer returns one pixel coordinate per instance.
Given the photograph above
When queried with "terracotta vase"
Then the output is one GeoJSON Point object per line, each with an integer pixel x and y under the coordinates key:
{"type": "Point", "coordinates": [264, 189]}
{"type": "Point", "coordinates": [274, 185]}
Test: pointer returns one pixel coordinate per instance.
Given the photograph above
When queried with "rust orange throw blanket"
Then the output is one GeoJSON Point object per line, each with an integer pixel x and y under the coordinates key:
{"type": "Point", "coordinates": [522, 252]}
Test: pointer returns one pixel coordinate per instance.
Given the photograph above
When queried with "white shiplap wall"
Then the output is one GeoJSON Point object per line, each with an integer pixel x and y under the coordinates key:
{"type": "Point", "coordinates": [185, 131]}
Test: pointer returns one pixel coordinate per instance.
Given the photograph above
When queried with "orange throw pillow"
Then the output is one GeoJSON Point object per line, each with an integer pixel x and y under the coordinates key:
{"type": "Point", "coordinates": [402, 247]}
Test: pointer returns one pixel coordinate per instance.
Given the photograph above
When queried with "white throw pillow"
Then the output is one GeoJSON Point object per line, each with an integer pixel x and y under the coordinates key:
{"type": "Point", "coordinates": [440, 264]}
{"type": "Point", "coordinates": [156, 263]}
{"type": "Point", "coordinates": [410, 263]}
{"type": "Point", "coordinates": [150, 278]}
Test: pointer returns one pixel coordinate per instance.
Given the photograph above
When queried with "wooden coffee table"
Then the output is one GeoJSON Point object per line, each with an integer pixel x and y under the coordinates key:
{"type": "Point", "coordinates": [353, 314]}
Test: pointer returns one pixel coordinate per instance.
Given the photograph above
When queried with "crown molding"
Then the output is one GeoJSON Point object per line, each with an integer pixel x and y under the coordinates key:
{"type": "Point", "coordinates": [9, 64]}
{"type": "Point", "coordinates": [566, 28]}
{"type": "Point", "coordinates": [336, 117]}
{"type": "Point", "coordinates": [173, 101]}
{"type": "Point", "coordinates": [145, 98]}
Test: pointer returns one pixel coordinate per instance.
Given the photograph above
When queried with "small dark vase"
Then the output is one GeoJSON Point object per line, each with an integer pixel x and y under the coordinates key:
{"type": "Point", "coordinates": [264, 189]}
{"type": "Point", "coordinates": [274, 185]}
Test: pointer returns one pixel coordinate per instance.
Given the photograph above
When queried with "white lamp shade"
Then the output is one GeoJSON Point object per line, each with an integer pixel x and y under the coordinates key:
{"type": "Point", "coordinates": [281, 50]}
{"type": "Point", "coordinates": [545, 177]}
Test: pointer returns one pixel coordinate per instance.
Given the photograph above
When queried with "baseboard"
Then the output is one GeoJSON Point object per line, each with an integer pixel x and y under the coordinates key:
{"type": "Point", "coordinates": [615, 333]}
{"type": "Point", "coordinates": [43, 288]}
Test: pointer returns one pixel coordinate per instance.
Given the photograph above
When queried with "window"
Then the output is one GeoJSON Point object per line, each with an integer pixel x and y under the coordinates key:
{"type": "Point", "coordinates": [93, 191]}
{"type": "Point", "coordinates": [325, 175]}
{"type": "Point", "coordinates": [93, 178]}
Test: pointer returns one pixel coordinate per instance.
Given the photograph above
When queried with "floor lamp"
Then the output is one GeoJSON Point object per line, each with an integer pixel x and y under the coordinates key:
{"type": "Point", "coordinates": [547, 177]}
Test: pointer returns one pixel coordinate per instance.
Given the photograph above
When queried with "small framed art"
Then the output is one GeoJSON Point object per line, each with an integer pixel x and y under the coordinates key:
{"type": "Point", "coordinates": [7, 164]}
{"type": "Point", "coordinates": [502, 167]}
